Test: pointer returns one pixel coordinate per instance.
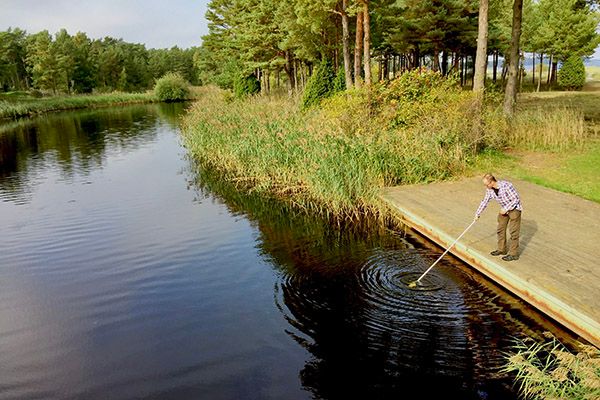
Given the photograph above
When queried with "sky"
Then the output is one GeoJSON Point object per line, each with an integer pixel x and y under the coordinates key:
{"type": "Point", "coordinates": [155, 23]}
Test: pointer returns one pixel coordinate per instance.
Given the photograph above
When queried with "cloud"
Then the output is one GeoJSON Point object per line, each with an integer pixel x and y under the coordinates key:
{"type": "Point", "coordinates": [155, 23]}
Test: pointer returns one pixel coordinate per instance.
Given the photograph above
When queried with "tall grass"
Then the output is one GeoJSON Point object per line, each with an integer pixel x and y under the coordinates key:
{"type": "Point", "coordinates": [23, 108]}
{"type": "Point", "coordinates": [550, 371]}
{"type": "Point", "coordinates": [335, 158]}
{"type": "Point", "coordinates": [539, 129]}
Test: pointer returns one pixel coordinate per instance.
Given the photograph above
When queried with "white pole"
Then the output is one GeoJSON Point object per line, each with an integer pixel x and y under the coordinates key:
{"type": "Point", "coordinates": [447, 250]}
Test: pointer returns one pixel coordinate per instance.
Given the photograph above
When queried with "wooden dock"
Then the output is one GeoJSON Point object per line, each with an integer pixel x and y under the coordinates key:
{"type": "Point", "coordinates": [559, 267]}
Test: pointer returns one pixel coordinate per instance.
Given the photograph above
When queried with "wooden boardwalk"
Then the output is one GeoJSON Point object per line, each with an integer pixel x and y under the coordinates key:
{"type": "Point", "coordinates": [559, 267]}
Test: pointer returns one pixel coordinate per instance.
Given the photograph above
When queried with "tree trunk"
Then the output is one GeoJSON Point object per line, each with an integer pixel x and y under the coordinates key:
{"type": "Point", "coordinates": [346, 43]}
{"type": "Point", "coordinates": [358, 49]}
{"type": "Point", "coordinates": [495, 62]}
{"type": "Point", "coordinates": [521, 71]}
{"type": "Point", "coordinates": [289, 70]}
{"type": "Point", "coordinates": [481, 55]}
{"type": "Point", "coordinates": [549, 69]}
{"type": "Point", "coordinates": [462, 68]}
{"type": "Point", "coordinates": [445, 63]}
{"type": "Point", "coordinates": [533, 69]}
{"type": "Point", "coordinates": [386, 67]}
{"type": "Point", "coordinates": [436, 61]}
{"type": "Point", "coordinates": [417, 60]}
{"type": "Point", "coordinates": [510, 93]}
{"type": "Point", "coordinates": [367, 42]}
{"type": "Point", "coordinates": [554, 68]}
{"type": "Point", "coordinates": [540, 74]}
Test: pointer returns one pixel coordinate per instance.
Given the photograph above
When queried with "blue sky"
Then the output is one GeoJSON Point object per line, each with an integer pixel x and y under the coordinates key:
{"type": "Point", "coordinates": [155, 23]}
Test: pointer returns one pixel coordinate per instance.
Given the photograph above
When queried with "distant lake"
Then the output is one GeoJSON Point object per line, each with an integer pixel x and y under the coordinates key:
{"type": "Point", "coordinates": [126, 272]}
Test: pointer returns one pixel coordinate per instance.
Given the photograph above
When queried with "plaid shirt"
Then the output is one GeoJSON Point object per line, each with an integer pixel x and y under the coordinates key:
{"type": "Point", "coordinates": [507, 197]}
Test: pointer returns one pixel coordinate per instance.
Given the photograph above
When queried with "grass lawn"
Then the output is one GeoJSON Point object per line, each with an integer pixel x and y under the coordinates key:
{"type": "Point", "coordinates": [576, 172]}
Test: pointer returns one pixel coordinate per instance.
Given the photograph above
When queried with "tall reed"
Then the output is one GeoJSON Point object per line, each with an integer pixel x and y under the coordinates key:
{"type": "Point", "coordinates": [543, 129]}
{"type": "Point", "coordinates": [332, 159]}
{"type": "Point", "coordinates": [336, 157]}
{"type": "Point", "coordinates": [550, 371]}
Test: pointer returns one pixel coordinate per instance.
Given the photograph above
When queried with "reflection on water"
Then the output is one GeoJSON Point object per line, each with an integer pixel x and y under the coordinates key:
{"type": "Point", "coordinates": [126, 272]}
{"type": "Point", "coordinates": [73, 143]}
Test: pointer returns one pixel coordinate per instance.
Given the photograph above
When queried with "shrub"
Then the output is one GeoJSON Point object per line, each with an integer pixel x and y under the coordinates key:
{"type": "Point", "coordinates": [319, 85]}
{"type": "Point", "coordinates": [339, 83]}
{"type": "Point", "coordinates": [571, 76]}
{"type": "Point", "coordinates": [245, 85]}
{"type": "Point", "coordinates": [171, 87]}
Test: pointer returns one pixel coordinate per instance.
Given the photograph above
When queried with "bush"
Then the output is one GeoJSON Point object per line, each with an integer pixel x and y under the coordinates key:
{"type": "Point", "coordinates": [171, 87]}
{"type": "Point", "coordinates": [245, 85]}
{"type": "Point", "coordinates": [339, 83]}
{"type": "Point", "coordinates": [571, 76]}
{"type": "Point", "coordinates": [319, 85]}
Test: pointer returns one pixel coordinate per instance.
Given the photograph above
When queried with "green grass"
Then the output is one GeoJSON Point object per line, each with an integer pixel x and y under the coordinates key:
{"type": "Point", "coordinates": [574, 171]}
{"type": "Point", "coordinates": [15, 106]}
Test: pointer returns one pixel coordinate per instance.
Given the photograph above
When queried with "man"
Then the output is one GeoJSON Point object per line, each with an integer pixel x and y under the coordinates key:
{"type": "Point", "coordinates": [510, 215]}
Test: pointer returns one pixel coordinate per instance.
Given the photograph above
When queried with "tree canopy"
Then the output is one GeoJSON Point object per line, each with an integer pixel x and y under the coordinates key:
{"type": "Point", "coordinates": [77, 64]}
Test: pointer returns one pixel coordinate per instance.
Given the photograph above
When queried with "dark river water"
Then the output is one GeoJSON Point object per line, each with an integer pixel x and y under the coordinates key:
{"type": "Point", "coordinates": [128, 273]}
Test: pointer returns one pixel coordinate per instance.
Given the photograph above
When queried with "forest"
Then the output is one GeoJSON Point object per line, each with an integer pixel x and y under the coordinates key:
{"type": "Point", "coordinates": [279, 43]}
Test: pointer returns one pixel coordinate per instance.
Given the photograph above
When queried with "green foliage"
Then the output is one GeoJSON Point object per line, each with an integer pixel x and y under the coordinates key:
{"type": "Point", "coordinates": [339, 82]}
{"type": "Point", "coordinates": [67, 64]}
{"type": "Point", "coordinates": [171, 87]}
{"type": "Point", "coordinates": [320, 85]}
{"type": "Point", "coordinates": [245, 85]}
{"type": "Point", "coordinates": [571, 75]}
{"type": "Point", "coordinates": [414, 94]}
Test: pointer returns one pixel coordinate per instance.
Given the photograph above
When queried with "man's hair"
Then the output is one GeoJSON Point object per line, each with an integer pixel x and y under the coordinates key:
{"type": "Point", "coordinates": [489, 177]}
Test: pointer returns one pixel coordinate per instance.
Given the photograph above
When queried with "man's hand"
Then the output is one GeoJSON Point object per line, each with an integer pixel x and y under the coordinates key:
{"type": "Point", "coordinates": [476, 217]}
{"type": "Point", "coordinates": [503, 211]}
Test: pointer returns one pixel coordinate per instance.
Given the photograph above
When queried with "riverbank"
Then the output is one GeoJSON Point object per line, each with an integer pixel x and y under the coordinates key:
{"type": "Point", "coordinates": [17, 105]}
{"type": "Point", "coordinates": [334, 159]}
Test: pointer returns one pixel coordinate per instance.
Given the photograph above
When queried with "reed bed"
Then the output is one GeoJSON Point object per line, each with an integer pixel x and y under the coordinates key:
{"type": "Point", "coordinates": [335, 158]}
{"type": "Point", "coordinates": [539, 129]}
{"type": "Point", "coordinates": [550, 371]}
{"type": "Point", "coordinates": [332, 160]}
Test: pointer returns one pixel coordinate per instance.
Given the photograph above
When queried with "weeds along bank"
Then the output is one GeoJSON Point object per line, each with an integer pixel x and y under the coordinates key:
{"type": "Point", "coordinates": [31, 106]}
{"type": "Point", "coordinates": [333, 158]}
{"type": "Point", "coordinates": [170, 87]}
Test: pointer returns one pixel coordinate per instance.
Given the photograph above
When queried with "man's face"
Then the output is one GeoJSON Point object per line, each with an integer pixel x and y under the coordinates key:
{"type": "Point", "coordinates": [488, 183]}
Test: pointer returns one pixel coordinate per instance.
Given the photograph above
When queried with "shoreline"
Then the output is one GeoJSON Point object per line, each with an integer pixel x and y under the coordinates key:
{"type": "Point", "coordinates": [15, 109]}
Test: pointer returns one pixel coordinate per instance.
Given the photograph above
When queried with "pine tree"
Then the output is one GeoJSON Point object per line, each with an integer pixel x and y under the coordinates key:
{"type": "Point", "coordinates": [320, 85]}
{"type": "Point", "coordinates": [571, 76]}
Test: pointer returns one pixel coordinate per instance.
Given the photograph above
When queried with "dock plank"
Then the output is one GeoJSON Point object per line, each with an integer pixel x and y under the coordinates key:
{"type": "Point", "coordinates": [558, 271]}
